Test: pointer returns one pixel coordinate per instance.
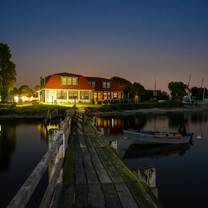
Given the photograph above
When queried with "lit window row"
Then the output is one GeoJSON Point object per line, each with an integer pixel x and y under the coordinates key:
{"type": "Point", "coordinates": [72, 81]}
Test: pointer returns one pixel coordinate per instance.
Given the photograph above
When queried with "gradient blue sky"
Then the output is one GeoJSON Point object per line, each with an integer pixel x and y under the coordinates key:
{"type": "Point", "coordinates": [136, 39]}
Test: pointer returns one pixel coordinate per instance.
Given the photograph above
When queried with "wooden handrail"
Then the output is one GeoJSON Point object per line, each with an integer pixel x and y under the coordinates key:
{"type": "Point", "coordinates": [24, 194]}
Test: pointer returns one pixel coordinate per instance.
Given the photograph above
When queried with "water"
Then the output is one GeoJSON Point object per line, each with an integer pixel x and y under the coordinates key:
{"type": "Point", "coordinates": [22, 145]}
{"type": "Point", "coordinates": [181, 172]}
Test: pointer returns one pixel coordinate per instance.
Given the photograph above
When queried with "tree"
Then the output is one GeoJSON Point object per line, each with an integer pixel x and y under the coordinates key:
{"type": "Point", "coordinates": [177, 89]}
{"type": "Point", "coordinates": [25, 90]}
{"type": "Point", "coordinates": [125, 84]}
{"type": "Point", "coordinates": [35, 89]}
{"type": "Point", "coordinates": [14, 92]}
{"type": "Point", "coordinates": [198, 93]}
{"type": "Point", "coordinates": [162, 95]}
{"type": "Point", "coordinates": [7, 72]}
{"type": "Point", "coordinates": [138, 91]}
{"type": "Point", "coordinates": [138, 88]}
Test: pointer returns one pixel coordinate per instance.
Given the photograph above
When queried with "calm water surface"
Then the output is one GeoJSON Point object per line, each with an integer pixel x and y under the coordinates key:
{"type": "Point", "coordinates": [22, 145]}
{"type": "Point", "coordinates": [181, 172]}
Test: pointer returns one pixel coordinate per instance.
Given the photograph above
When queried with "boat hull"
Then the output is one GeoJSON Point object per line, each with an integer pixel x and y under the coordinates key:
{"type": "Point", "coordinates": [143, 138]}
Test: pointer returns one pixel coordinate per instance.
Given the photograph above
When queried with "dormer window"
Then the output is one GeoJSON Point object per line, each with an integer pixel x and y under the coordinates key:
{"type": "Point", "coordinates": [106, 84]}
{"type": "Point", "coordinates": [92, 83]}
{"type": "Point", "coordinates": [71, 81]}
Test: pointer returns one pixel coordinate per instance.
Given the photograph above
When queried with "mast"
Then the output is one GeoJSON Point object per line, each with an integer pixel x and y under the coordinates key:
{"type": "Point", "coordinates": [188, 89]}
{"type": "Point", "coordinates": [203, 93]}
{"type": "Point", "coordinates": [155, 88]}
{"type": "Point", "coordinates": [202, 83]}
{"type": "Point", "coordinates": [189, 81]}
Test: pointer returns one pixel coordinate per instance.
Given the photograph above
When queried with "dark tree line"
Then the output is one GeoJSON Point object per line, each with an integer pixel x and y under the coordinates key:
{"type": "Point", "coordinates": [7, 72]}
{"type": "Point", "coordinates": [178, 90]}
{"type": "Point", "coordinates": [25, 90]}
{"type": "Point", "coordinates": [136, 89]}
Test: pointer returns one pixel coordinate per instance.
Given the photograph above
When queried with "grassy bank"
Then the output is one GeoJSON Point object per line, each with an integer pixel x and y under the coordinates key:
{"type": "Point", "coordinates": [37, 109]}
{"type": "Point", "coordinates": [41, 109]}
{"type": "Point", "coordinates": [144, 105]}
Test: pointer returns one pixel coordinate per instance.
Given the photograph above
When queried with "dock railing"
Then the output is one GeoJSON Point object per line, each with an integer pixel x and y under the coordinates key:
{"type": "Point", "coordinates": [55, 154]}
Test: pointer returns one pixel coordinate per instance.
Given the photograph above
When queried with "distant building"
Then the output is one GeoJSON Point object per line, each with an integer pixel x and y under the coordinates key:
{"type": "Point", "coordinates": [73, 88]}
{"type": "Point", "coordinates": [105, 90]}
{"type": "Point", "coordinates": [65, 88]}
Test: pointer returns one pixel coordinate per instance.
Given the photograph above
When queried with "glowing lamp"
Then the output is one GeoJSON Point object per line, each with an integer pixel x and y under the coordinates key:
{"type": "Point", "coordinates": [16, 99]}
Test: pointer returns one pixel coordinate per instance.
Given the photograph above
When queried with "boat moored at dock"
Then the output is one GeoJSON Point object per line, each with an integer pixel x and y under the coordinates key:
{"type": "Point", "coordinates": [155, 137]}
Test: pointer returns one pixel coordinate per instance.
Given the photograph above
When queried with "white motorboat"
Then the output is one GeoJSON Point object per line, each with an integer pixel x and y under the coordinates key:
{"type": "Point", "coordinates": [154, 137]}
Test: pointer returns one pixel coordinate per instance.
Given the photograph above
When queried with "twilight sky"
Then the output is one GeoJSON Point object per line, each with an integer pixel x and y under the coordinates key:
{"type": "Point", "coordinates": [136, 39]}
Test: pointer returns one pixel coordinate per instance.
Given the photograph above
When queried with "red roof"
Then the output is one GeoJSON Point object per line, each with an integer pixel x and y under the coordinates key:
{"type": "Point", "coordinates": [99, 86]}
{"type": "Point", "coordinates": [54, 82]}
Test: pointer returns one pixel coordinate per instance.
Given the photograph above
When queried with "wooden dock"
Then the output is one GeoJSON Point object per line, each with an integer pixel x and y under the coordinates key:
{"type": "Point", "coordinates": [97, 177]}
{"type": "Point", "coordinates": [87, 173]}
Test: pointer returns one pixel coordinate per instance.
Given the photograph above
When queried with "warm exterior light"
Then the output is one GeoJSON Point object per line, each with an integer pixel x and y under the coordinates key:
{"type": "Point", "coordinates": [16, 99]}
{"type": "Point", "coordinates": [24, 98]}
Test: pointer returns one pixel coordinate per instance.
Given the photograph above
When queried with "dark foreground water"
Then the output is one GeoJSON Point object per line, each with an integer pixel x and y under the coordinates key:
{"type": "Point", "coordinates": [22, 145]}
{"type": "Point", "coordinates": [181, 171]}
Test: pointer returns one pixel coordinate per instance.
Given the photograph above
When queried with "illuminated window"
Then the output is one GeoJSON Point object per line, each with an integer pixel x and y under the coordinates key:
{"type": "Point", "coordinates": [72, 81]}
{"type": "Point", "coordinates": [100, 96]}
{"type": "Point", "coordinates": [105, 95]}
{"type": "Point", "coordinates": [84, 95]}
{"type": "Point", "coordinates": [115, 95]}
{"type": "Point", "coordinates": [92, 83]}
{"type": "Point", "coordinates": [72, 94]}
{"type": "Point", "coordinates": [106, 84]}
{"type": "Point", "coordinates": [62, 94]}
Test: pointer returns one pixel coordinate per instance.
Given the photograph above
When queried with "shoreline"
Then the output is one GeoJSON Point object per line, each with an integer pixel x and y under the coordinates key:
{"type": "Point", "coordinates": [149, 110]}
{"type": "Point", "coordinates": [21, 116]}
{"type": "Point", "coordinates": [39, 116]}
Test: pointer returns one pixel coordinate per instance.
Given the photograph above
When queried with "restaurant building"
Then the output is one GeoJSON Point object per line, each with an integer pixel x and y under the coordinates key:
{"type": "Point", "coordinates": [65, 88]}
{"type": "Point", "coordinates": [73, 88]}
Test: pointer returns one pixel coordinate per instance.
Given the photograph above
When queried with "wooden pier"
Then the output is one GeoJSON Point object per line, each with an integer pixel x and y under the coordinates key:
{"type": "Point", "coordinates": [92, 175]}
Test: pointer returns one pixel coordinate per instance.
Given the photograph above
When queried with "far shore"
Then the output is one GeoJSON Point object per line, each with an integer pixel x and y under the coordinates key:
{"type": "Point", "coordinates": [98, 112]}
{"type": "Point", "coordinates": [22, 116]}
{"type": "Point", "coordinates": [149, 110]}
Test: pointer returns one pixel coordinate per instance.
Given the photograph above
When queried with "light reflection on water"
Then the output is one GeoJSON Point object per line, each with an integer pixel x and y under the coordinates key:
{"type": "Point", "coordinates": [181, 171]}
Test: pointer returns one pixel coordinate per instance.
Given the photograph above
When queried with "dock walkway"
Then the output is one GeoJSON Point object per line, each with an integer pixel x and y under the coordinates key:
{"type": "Point", "coordinates": [93, 175]}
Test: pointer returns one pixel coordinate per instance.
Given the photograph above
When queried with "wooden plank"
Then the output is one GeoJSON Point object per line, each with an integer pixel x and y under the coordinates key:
{"type": "Point", "coordinates": [97, 136]}
{"type": "Point", "coordinates": [101, 172]}
{"type": "Point", "coordinates": [50, 189]}
{"type": "Point", "coordinates": [81, 196]}
{"type": "Point", "coordinates": [82, 141]}
{"type": "Point", "coordinates": [79, 169]}
{"type": "Point", "coordinates": [24, 194]}
{"type": "Point", "coordinates": [56, 196]}
{"type": "Point", "coordinates": [125, 196]}
{"type": "Point", "coordinates": [96, 197]}
{"type": "Point", "coordinates": [111, 197]}
{"type": "Point", "coordinates": [109, 167]}
{"type": "Point", "coordinates": [79, 163]}
{"type": "Point", "coordinates": [140, 197]}
{"type": "Point", "coordinates": [67, 197]}
{"type": "Point", "coordinates": [89, 169]}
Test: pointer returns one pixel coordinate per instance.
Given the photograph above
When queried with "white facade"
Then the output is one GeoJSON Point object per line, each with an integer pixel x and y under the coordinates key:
{"type": "Point", "coordinates": [66, 96]}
